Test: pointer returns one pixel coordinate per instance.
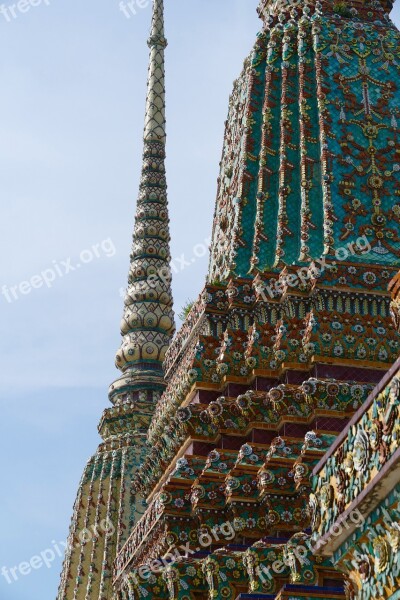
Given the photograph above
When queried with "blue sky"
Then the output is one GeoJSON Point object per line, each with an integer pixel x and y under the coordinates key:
{"type": "Point", "coordinates": [72, 105]}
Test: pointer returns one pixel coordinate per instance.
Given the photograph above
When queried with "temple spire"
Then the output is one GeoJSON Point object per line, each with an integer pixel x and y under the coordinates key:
{"type": "Point", "coordinates": [148, 321]}
{"type": "Point", "coordinates": [154, 128]}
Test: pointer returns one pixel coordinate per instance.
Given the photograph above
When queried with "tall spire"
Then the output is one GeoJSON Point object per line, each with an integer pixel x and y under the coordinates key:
{"type": "Point", "coordinates": [105, 502]}
{"type": "Point", "coordinates": [148, 321]}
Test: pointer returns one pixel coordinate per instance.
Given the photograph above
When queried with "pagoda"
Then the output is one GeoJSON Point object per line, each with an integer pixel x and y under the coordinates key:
{"type": "Point", "coordinates": [107, 508]}
{"type": "Point", "coordinates": [203, 487]}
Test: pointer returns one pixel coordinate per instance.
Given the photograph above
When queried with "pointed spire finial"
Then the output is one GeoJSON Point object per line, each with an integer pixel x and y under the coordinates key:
{"type": "Point", "coordinates": [157, 37]}
{"type": "Point", "coordinates": [154, 127]}
{"type": "Point", "coordinates": [148, 321]}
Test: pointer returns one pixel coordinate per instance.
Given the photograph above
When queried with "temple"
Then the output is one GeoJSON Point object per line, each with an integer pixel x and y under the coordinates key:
{"type": "Point", "coordinates": [255, 454]}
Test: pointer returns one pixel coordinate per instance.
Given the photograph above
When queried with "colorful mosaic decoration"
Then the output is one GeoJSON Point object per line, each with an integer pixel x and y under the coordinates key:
{"type": "Point", "coordinates": [106, 509]}
{"type": "Point", "coordinates": [254, 454]}
{"type": "Point", "coordinates": [361, 475]}
{"type": "Point", "coordinates": [310, 157]}
{"type": "Point", "coordinates": [148, 321]}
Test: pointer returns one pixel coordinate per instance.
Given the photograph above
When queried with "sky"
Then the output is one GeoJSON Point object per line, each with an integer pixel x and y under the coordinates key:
{"type": "Point", "coordinates": [71, 112]}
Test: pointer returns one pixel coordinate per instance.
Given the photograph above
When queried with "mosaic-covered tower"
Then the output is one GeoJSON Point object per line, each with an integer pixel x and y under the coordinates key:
{"type": "Point", "coordinates": [284, 344]}
{"type": "Point", "coordinates": [293, 328]}
{"type": "Point", "coordinates": [106, 507]}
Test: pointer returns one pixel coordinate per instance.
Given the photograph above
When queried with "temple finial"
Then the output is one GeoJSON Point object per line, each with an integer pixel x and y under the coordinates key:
{"type": "Point", "coordinates": [154, 128]}
{"type": "Point", "coordinates": [148, 321]}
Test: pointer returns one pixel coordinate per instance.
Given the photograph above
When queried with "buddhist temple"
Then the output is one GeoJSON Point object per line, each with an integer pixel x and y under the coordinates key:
{"type": "Point", "coordinates": [255, 453]}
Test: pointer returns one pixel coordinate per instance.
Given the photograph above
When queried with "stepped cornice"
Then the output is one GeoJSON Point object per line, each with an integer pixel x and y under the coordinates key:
{"type": "Point", "coordinates": [264, 327]}
{"type": "Point", "coordinates": [267, 484]}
